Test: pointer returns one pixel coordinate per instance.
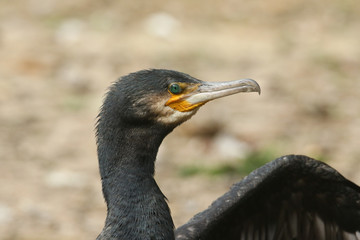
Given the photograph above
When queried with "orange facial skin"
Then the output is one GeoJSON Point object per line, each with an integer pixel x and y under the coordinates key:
{"type": "Point", "coordinates": [178, 101]}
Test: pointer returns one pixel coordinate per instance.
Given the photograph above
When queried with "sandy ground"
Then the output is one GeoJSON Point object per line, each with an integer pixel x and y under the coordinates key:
{"type": "Point", "coordinates": [58, 58]}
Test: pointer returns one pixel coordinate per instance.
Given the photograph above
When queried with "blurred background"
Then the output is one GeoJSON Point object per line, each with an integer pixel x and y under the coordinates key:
{"type": "Point", "coordinates": [59, 57]}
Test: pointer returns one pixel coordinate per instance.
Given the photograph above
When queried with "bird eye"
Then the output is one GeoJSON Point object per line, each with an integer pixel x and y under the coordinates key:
{"type": "Point", "coordinates": [175, 88]}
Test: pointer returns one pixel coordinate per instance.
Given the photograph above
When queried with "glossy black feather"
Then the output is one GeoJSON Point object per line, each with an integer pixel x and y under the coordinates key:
{"type": "Point", "coordinates": [293, 197]}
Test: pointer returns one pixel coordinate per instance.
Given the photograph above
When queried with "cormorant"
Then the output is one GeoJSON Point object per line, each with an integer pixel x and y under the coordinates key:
{"type": "Point", "coordinates": [292, 197]}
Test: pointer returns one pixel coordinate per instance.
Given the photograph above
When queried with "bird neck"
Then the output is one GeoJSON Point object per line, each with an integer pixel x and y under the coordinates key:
{"type": "Point", "coordinates": [137, 208]}
{"type": "Point", "coordinates": [128, 148]}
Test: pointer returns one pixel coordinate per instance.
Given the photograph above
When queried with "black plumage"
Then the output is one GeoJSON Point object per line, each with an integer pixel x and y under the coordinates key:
{"type": "Point", "coordinates": [293, 197]}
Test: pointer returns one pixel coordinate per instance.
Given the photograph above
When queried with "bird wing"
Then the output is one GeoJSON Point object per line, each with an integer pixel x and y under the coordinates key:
{"type": "Point", "coordinates": [292, 197]}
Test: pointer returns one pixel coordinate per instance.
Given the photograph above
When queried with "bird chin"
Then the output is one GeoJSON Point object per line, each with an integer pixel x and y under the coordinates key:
{"type": "Point", "coordinates": [174, 117]}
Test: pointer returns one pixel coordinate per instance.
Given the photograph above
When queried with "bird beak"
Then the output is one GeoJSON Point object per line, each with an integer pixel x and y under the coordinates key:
{"type": "Point", "coordinates": [208, 91]}
{"type": "Point", "coordinates": [199, 94]}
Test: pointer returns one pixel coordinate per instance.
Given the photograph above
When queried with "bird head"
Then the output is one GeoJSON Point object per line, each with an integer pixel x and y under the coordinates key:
{"type": "Point", "coordinates": [166, 97]}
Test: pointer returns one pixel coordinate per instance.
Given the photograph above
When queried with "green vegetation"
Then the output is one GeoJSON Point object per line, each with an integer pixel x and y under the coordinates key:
{"type": "Point", "coordinates": [74, 103]}
{"type": "Point", "coordinates": [241, 167]}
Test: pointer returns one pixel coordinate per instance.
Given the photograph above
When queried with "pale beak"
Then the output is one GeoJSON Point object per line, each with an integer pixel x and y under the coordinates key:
{"type": "Point", "coordinates": [208, 91]}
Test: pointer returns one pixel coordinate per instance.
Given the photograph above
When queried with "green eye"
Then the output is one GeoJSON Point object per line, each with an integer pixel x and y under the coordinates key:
{"type": "Point", "coordinates": [175, 88]}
